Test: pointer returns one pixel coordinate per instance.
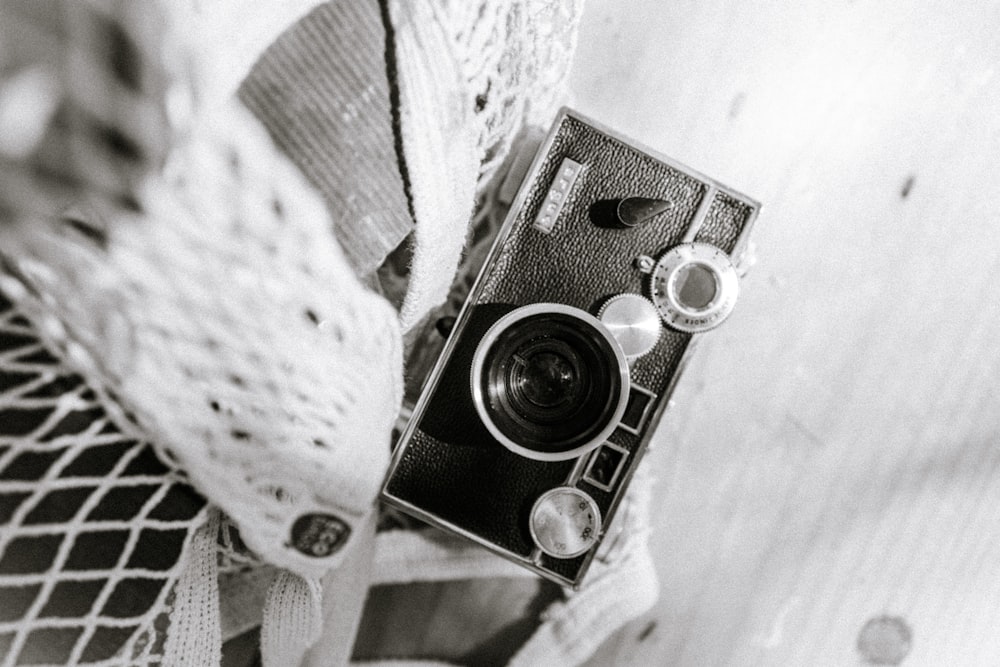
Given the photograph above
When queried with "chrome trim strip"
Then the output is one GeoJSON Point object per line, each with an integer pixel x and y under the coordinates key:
{"type": "Point", "coordinates": [704, 206]}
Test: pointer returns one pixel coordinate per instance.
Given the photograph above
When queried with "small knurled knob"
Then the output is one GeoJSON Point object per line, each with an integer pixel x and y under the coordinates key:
{"type": "Point", "coordinates": [633, 321]}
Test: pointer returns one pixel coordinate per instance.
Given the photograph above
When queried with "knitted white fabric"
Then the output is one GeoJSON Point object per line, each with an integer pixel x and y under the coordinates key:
{"type": "Point", "coordinates": [195, 633]}
{"type": "Point", "coordinates": [407, 556]}
{"type": "Point", "coordinates": [469, 74]}
{"type": "Point", "coordinates": [229, 323]}
{"type": "Point", "coordinates": [293, 619]}
{"type": "Point", "coordinates": [434, 118]}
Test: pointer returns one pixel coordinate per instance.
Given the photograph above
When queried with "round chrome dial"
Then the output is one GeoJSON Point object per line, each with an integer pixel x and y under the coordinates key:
{"type": "Point", "coordinates": [565, 522]}
{"type": "Point", "coordinates": [633, 321]}
{"type": "Point", "coordinates": [694, 287]}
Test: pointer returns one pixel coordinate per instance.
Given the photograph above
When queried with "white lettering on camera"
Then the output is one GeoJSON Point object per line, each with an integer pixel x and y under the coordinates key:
{"type": "Point", "coordinates": [557, 195]}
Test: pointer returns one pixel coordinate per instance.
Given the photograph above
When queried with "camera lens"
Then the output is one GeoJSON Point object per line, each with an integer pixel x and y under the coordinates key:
{"type": "Point", "coordinates": [549, 381]}
{"type": "Point", "coordinates": [545, 379]}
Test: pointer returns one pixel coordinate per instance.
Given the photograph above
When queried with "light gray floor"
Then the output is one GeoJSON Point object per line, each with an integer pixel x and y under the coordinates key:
{"type": "Point", "coordinates": [833, 454]}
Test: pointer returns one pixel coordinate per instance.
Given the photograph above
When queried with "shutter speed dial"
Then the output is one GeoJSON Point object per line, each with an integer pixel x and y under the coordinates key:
{"type": "Point", "coordinates": [565, 522]}
{"type": "Point", "coordinates": [694, 286]}
{"type": "Point", "coordinates": [633, 321]}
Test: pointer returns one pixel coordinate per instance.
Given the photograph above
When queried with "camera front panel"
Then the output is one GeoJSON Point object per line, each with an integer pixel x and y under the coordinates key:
{"type": "Point", "coordinates": [566, 241]}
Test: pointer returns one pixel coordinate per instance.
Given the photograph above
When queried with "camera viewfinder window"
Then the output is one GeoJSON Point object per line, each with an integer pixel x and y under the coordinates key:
{"type": "Point", "coordinates": [639, 400]}
{"type": "Point", "coordinates": [696, 286]}
{"type": "Point", "coordinates": [605, 466]}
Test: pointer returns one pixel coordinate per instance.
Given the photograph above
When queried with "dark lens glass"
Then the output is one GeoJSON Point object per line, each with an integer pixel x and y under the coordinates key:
{"type": "Point", "coordinates": [551, 382]}
{"type": "Point", "coordinates": [546, 379]}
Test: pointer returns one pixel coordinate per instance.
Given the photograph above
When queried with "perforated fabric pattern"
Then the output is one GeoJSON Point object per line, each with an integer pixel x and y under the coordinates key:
{"type": "Point", "coordinates": [93, 526]}
{"type": "Point", "coordinates": [230, 324]}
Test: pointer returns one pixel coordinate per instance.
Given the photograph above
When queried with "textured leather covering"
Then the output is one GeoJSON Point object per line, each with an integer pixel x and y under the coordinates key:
{"type": "Point", "coordinates": [450, 467]}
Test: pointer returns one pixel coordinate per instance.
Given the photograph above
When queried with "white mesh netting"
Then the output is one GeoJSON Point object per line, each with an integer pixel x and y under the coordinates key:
{"type": "Point", "coordinates": [92, 524]}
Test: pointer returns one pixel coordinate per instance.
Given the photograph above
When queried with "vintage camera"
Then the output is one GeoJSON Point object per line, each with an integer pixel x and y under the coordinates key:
{"type": "Point", "coordinates": [560, 364]}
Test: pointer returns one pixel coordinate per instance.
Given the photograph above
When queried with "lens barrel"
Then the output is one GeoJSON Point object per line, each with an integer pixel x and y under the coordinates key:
{"type": "Point", "coordinates": [549, 381]}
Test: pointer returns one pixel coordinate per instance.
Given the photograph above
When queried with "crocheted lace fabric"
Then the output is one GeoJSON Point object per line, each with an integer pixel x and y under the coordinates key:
{"type": "Point", "coordinates": [469, 75]}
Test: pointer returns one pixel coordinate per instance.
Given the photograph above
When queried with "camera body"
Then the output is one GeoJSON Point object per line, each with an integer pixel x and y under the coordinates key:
{"type": "Point", "coordinates": [561, 363]}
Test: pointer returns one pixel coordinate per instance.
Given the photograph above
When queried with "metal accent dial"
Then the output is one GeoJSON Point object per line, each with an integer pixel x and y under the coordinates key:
{"type": "Point", "coordinates": [565, 522]}
{"type": "Point", "coordinates": [694, 286]}
{"type": "Point", "coordinates": [634, 322]}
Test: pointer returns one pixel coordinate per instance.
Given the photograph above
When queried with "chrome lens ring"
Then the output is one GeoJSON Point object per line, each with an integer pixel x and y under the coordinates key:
{"type": "Point", "coordinates": [549, 381]}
